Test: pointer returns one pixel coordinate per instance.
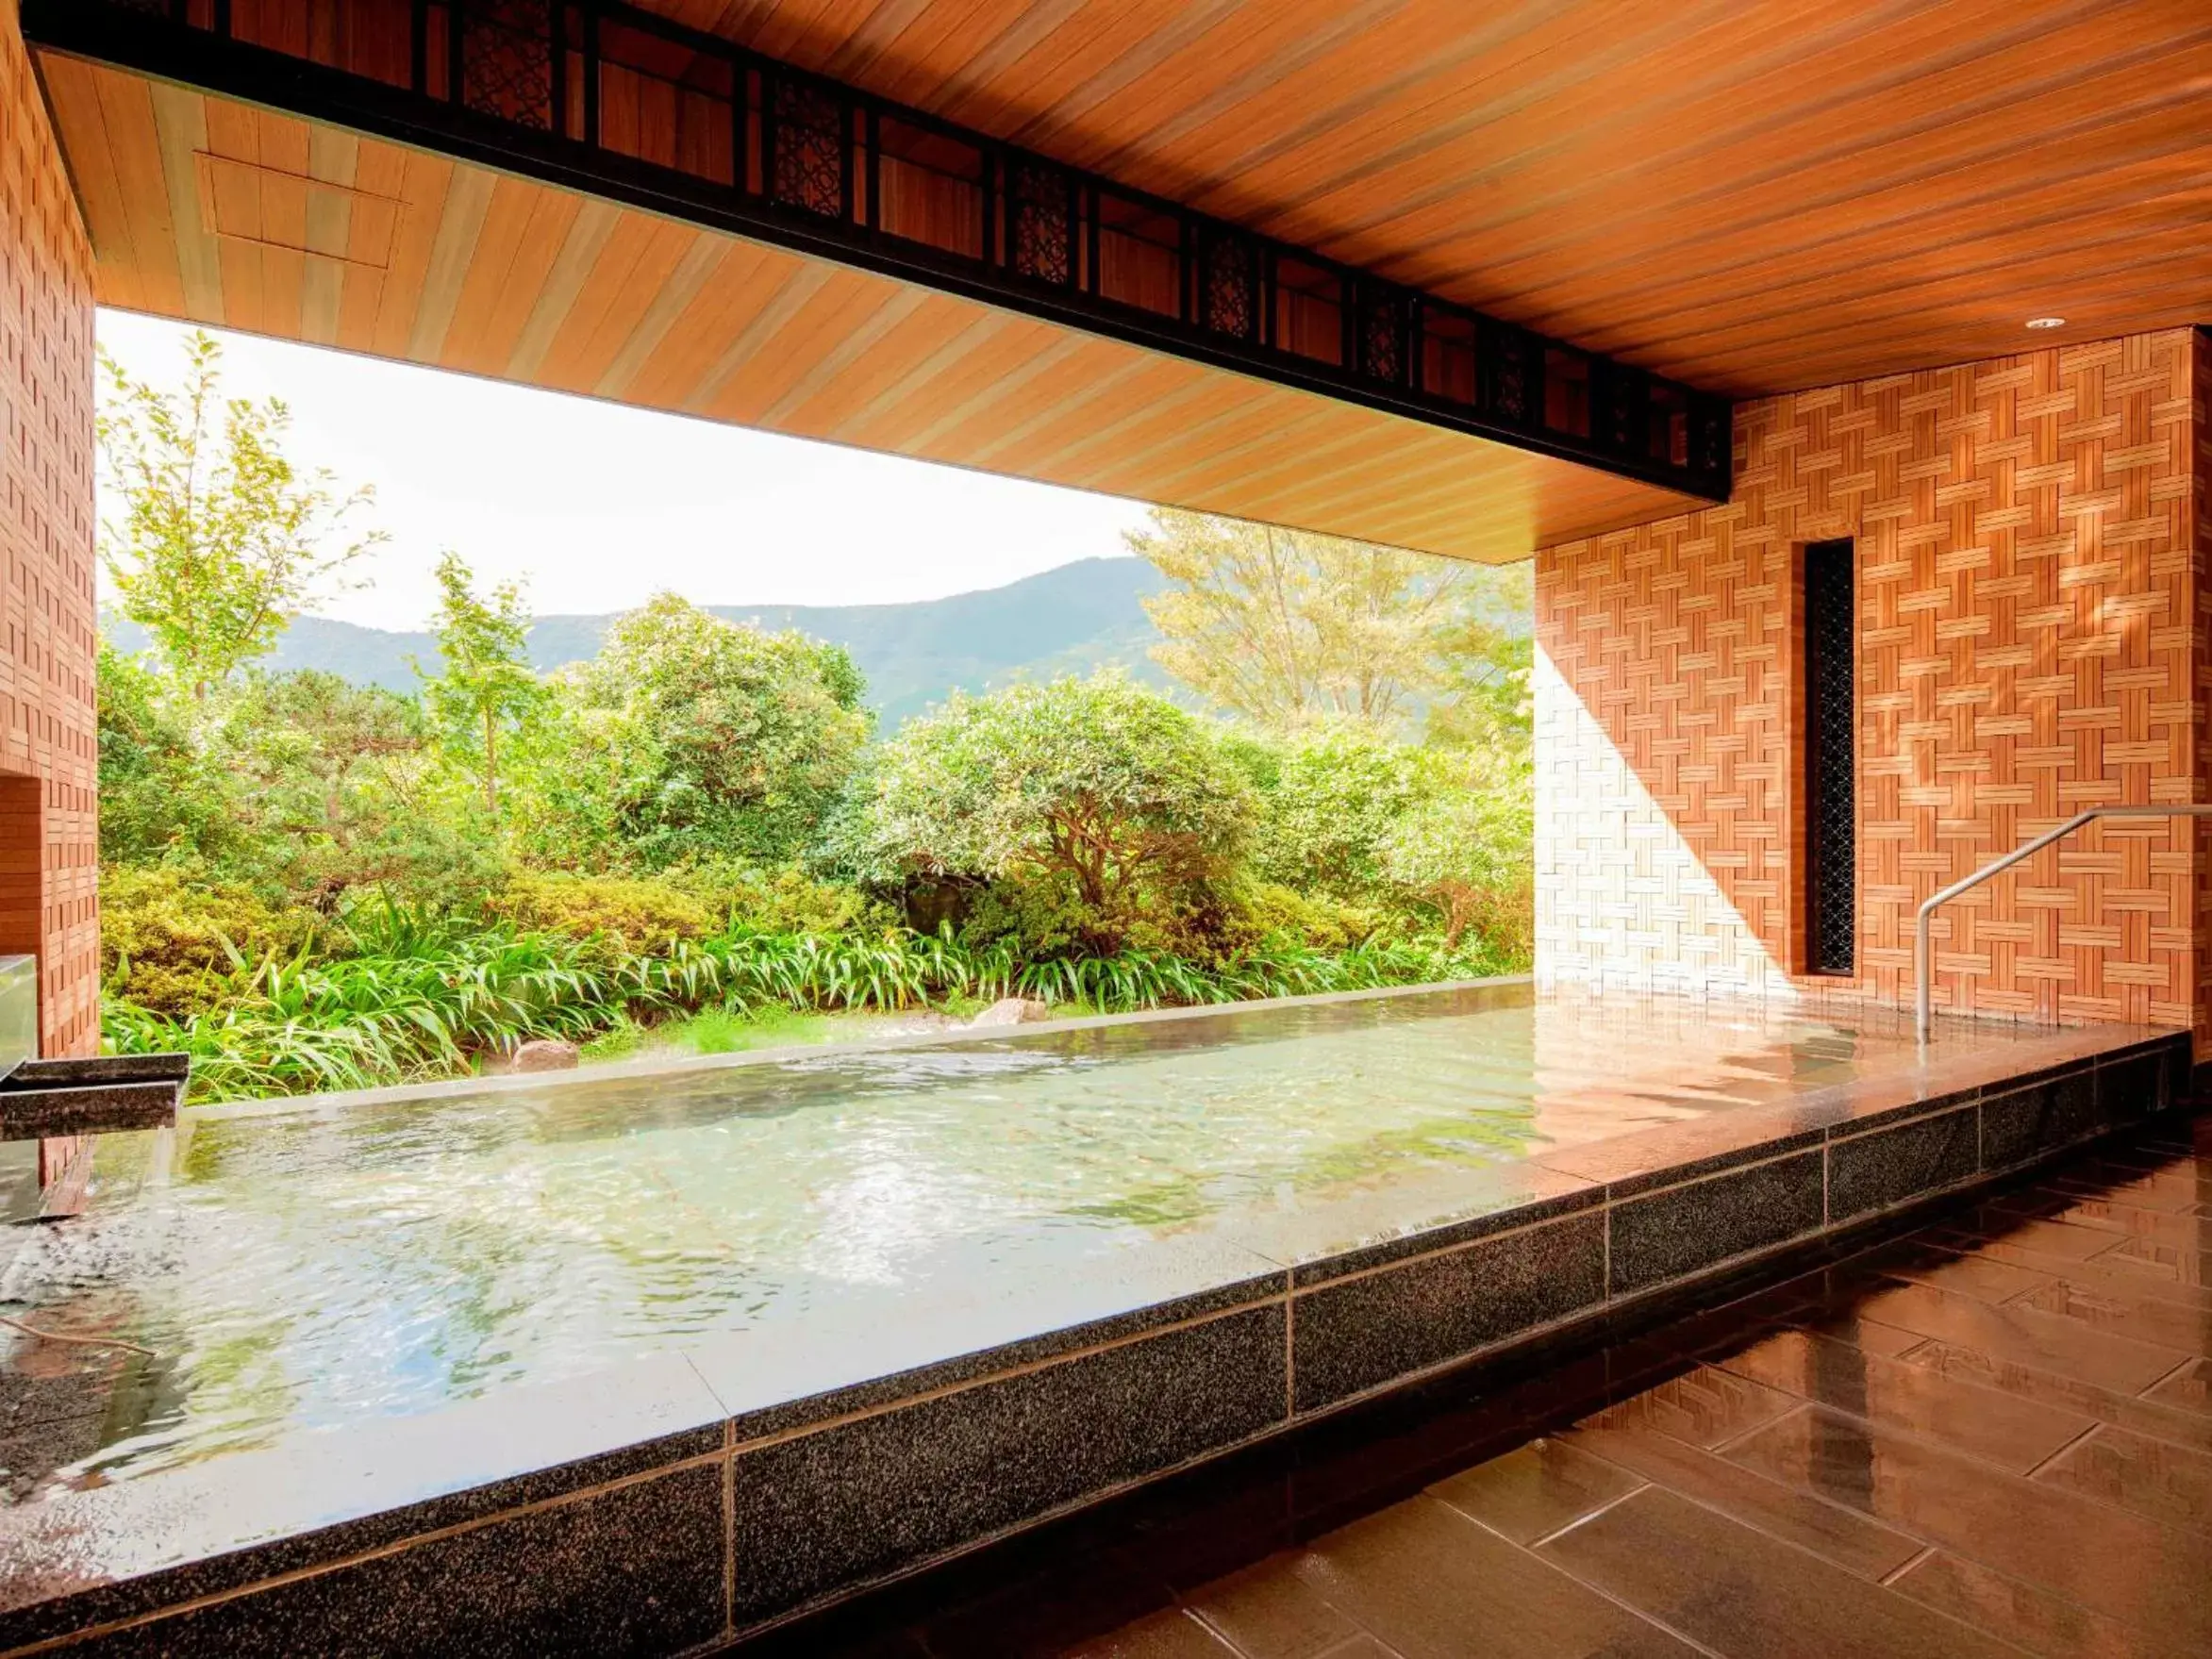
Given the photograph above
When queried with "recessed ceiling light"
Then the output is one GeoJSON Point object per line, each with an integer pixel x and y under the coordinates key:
{"type": "Point", "coordinates": [2046, 321]}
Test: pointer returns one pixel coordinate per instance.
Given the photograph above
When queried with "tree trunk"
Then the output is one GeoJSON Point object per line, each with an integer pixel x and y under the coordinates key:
{"type": "Point", "coordinates": [1459, 907]}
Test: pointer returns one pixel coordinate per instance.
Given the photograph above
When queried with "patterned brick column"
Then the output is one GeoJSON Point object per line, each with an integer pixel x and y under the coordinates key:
{"type": "Point", "coordinates": [49, 861]}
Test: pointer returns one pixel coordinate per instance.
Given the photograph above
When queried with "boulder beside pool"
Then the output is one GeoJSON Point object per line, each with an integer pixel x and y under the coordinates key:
{"type": "Point", "coordinates": [1012, 1011]}
{"type": "Point", "coordinates": [545, 1054]}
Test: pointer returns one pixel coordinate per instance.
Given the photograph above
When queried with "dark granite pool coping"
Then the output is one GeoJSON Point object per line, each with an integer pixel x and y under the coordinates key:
{"type": "Point", "coordinates": [675, 1504]}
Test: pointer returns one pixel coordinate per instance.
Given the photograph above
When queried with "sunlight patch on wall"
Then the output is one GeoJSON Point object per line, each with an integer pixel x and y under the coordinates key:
{"type": "Point", "coordinates": [1622, 899]}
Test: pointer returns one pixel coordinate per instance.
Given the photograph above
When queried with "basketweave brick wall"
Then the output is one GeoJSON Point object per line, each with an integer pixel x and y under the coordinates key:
{"type": "Point", "coordinates": [2030, 539]}
{"type": "Point", "coordinates": [49, 864]}
{"type": "Point", "coordinates": [2199, 516]}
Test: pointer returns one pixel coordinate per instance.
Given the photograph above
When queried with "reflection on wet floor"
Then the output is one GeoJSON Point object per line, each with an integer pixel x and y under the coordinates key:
{"type": "Point", "coordinates": [1993, 1436]}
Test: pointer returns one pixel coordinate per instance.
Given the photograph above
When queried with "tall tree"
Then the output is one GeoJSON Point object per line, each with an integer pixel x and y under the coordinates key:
{"type": "Point", "coordinates": [487, 684]}
{"type": "Point", "coordinates": [1283, 626]}
{"type": "Point", "coordinates": [1485, 654]}
{"type": "Point", "coordinates": [220, 537]}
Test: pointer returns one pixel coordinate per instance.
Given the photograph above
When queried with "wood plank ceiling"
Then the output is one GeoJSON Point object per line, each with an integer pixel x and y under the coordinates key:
{"type": "Point", "coordinates": [1752, 195]}
{"type": "Point", "coordinates": [215, 211]}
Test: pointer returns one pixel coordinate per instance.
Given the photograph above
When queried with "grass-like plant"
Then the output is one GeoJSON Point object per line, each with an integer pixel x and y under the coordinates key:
{"type": "Point", "coordinates": [418, 996]}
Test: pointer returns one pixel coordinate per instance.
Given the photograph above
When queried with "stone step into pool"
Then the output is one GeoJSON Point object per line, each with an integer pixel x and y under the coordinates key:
{"type": "Point", "coordinates": [639, 1361]}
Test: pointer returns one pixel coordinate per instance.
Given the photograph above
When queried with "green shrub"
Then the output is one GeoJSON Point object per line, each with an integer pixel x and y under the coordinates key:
{"type": "Point", "coordinates": [162, 796]}
{"type": "Point", "coordinates": [689, 738]}
{"type": "Point", "coordinates": [344, 794]}
{"type": "Point", "coordinates": [1040, 915]}
{"type": "Point", "coordinates": [1338, 791]}
{"type": "Point", "coordinates": [291, 1026]}
{"type": "Point", "coordinates": [781, 900]}
{"type": "Point", "coordinates": [170, 942]}
{"type": "Point", "coordinates": [1466, 857]}
{"type": "Point", "coordinates": [1261, 911]}
{"type": "Point", "coordinates": [1101, 784]}
{"type": "Point", "coordinates": [632, 913]}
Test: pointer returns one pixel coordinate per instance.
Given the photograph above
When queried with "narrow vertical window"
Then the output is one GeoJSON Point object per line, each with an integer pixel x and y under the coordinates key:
{"type": "Point", "coordinates": [1831, 888]}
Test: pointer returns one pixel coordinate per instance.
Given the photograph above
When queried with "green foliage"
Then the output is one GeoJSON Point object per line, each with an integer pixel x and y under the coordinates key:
{"type": "Point", "coordinates": [434, 999]}
{"type": "Point", "coordinates": [1283, 627]}
{"type": "Point", "coordinates": [1042, 914]}
{"type": "Point", "coordinates": [163, 797]}
{"type": "Point", "coordinates": [689, 739]}
{"type": "Point", "coordinates": [1289, 630]}
{"type": "Point", "coordinates": [784, 899]}
{"type": "Point", "coordinates": [1337, 790]}
{"type": "Point", "coordinates": [1483, 700]}
{"type": "Point", "coordinates": [1467, 854]}
{"type": "Point", "coordinates": [221, 536]}
{"type": "Point", "coordinates": [1105, 831]}
{"type": "Point", "coordinates": [1260, 912]}
{"type": "Point", "coordinates": [340, 783]}
{"type": "Point", "coordinates": [631, 913]}
{"type": "Point", "coordinates": [718, 1031]}
{"type": "Point", "coordinates": [291, 1026]}
{"type": "Point", "coordinates": [1098, 782]}
{"type": "Point", "coordinates": [485, 687]}
{"type": "Point", "coordinates": [170, 943]}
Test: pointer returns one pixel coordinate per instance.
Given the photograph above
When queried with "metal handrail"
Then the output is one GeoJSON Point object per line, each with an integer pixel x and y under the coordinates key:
{"type": "Point", "coordinates": [1924, 988]}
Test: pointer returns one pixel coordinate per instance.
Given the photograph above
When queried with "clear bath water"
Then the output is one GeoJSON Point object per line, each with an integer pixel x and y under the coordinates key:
{"type": "Point", "coordinates": [308, 1265]}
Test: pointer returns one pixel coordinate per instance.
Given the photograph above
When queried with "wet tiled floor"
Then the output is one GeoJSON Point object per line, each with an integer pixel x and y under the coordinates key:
{"type": "Point", "coordinates": [1992, 1435]}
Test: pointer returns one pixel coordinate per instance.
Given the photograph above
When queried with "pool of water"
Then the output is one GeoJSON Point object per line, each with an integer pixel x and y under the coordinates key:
{"type": "Point", "coordinates": [307, 1266]}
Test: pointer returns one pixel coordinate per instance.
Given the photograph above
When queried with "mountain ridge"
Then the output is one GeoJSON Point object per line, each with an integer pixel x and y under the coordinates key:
{"type": "Point", "coordinates": [1072, 619]}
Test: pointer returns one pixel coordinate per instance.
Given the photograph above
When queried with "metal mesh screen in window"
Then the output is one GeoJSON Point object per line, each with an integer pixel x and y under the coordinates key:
{"type": "Point", "coordinates": [506, 61]}
{"type": "Point", "coordinates": [1831, 808]}
{"type": "Point", "coordinates": [807, 148]}
{"type": "Point", "coordinates": [1039, 219]}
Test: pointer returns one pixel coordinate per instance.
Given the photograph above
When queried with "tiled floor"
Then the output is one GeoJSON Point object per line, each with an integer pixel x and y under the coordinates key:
{"type": "Point", "coordinates": [1991, 1436]}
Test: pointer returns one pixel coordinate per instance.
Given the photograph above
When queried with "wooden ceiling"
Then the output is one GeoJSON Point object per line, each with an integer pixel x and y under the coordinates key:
{"type": "Point", "coordinates": [1751, 195]}
{"type": "Point", "coordinates": [218, 212]}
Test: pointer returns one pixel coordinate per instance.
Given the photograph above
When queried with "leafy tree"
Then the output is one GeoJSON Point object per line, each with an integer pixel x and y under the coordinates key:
{"type": "Point", "coordinates": [1337, 790]}
{"type": "Point", "coordinates": [163, 798]}
{"type": "Point", "coordinates": [1100, 781]}
{"type": "Point", "coordinates": [1466, 853]}
{"type": "Point", "coordinates": [486, 686]}
{"type": "Point", "coordinates": [220, 537]}
{"type": "Point", "coordinates": [343, 790]}
{"type": "Point", "coordinates": [689, 738]}
{"type": "Point", "coordinates": [1485, 653]}
{"type": "Point", "coordinates": [1283, 626]}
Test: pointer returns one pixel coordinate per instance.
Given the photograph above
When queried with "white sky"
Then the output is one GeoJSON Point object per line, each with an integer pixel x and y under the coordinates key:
{"type": "Point", "coordinates": [598, 507]}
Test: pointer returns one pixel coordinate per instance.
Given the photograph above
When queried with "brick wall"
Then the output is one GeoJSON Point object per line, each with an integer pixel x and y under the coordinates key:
{"type": "Point", "coordinates": [2031, 636]}
{"type": "Point", "coordinates": [49, 871]}
{"type": "Point", "coordinates": [2200, 518]}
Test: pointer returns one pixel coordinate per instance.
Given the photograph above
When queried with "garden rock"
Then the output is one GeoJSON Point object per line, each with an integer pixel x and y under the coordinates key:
{"type": "Point", "coordinates": [546, 1054]}
{"type": "Point", "coordinates": [1012, 1011]}
{"type": "Point", "coordinates": [926, 1023]}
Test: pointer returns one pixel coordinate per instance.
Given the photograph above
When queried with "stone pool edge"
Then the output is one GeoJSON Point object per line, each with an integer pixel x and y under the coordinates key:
{"type": "Point", "coordinates": [620, 1071]}
{"type": "Point", "coordinates": [728, 1524]}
